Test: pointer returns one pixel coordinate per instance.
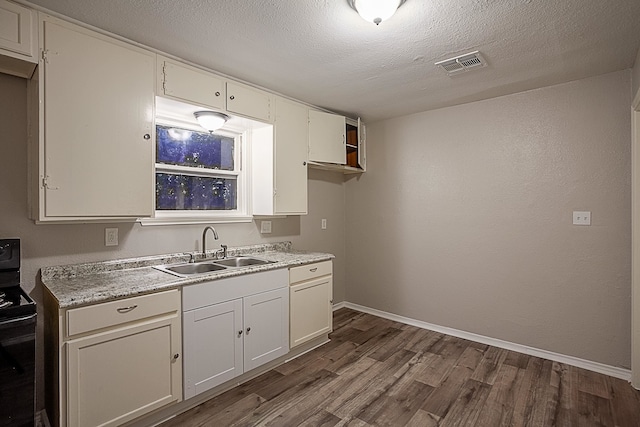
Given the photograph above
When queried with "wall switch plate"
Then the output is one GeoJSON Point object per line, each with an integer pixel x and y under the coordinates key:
{"type": "Point", "coordinates": [323, 224]}
{"type": "Point", "coordinates": [111, 237]}
{"type": "Point", "coordinates": [581, 218]}
{"type": "Point", "coordinates": [265, 227]}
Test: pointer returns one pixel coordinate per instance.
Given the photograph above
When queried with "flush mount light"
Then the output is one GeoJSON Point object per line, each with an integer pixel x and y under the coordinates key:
{"type": "Point", "coordinates": [376, 11]}
{"type": "Point", "coordinates": [211, 120]}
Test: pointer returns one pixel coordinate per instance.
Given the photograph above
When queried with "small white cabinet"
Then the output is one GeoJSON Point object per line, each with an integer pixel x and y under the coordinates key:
{"type": "Point", "coordinates": [18, 41]}
{"type": "Point", "coordinates": [250, 102]}
{"type": "Point", "coordinates": [327, 137]}
{"type": "Point", "coordinates": [185, 83]}
{"type": "Point", "coordinates": [232, 326]}
{"type": "Point", "coordinates": [95, 139]}
{"type": "Point", "coordinates": [279, 176]}
{"type": "Point", "coordinates": [118, 360]}
{"type": "Point", "coordinates": [336, 143]}
{"type": "Point", "coordinates": [311, 311]}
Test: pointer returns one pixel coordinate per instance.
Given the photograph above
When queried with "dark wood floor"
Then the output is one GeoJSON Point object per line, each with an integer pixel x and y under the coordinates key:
{"type": "Point", "coordinates": [383, 373]}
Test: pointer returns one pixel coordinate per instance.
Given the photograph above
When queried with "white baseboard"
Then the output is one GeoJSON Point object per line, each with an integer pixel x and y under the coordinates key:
{"type": "Point", "coordinates": [339, 305]}
{"type": "Point", "coordinates": [601, 368]}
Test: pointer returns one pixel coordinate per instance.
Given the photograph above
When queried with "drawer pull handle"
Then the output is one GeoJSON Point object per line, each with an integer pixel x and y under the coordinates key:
{"type": "Point", "coordinates": [313, 270]}
{"type": "Point", "coordinates": [126, 309]}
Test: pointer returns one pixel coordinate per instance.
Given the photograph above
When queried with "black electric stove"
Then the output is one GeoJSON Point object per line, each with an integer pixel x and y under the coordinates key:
{"type": "Point", "coordinates": [17, 342]}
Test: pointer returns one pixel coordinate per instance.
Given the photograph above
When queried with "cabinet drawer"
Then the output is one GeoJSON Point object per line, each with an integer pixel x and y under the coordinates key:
{"type": "Point", "coordinates": [310, 271]}
{"type": "Point", "coordinates": [86, 319]}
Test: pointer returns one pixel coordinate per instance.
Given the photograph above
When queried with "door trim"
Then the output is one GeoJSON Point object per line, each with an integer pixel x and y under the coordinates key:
{"type": "Point", "coordinates": [635, 241]}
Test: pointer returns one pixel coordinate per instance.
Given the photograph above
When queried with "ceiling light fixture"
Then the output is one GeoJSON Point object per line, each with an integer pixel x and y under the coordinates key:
{"type": "Point", "coordinates": [211, 120]}
{"type": "Point", "coordinates": [376, 11]}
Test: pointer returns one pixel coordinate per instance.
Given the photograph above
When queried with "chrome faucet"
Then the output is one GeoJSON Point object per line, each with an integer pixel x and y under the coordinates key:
{"type": "Point", "coordinates": [204, 236]}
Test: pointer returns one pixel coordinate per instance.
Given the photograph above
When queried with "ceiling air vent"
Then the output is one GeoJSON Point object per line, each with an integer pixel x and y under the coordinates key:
{"type": "Point", "coordinates": [462, 63]}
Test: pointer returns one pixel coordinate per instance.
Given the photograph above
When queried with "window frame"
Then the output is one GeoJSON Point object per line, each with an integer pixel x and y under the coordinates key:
{"type": "Point", "coordinates": [241, 171]}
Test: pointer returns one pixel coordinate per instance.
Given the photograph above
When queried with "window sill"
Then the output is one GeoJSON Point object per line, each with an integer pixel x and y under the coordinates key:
{"type": "Point", "coordinates": [194, 220]}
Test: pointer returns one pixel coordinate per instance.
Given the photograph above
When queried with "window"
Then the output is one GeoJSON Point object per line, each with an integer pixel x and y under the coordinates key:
{"type": "Point", "coordinates": [199, 175]}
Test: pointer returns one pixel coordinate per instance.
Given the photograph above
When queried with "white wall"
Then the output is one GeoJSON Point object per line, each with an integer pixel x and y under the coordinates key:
{"type": "Point", "coordinates": [45, 245]}
{"type": "Point", "coordinates": [464, 219]}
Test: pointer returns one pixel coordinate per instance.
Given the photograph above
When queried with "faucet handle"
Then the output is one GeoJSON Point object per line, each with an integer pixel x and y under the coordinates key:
{"type": "Point", "coordinates": [192, 258]}
{"type": "Point", "coordinates": [224, 251]}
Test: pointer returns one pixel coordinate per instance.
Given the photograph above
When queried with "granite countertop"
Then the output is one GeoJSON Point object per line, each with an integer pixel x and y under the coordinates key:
{"type": "Point", "coordinates": [83, 284]}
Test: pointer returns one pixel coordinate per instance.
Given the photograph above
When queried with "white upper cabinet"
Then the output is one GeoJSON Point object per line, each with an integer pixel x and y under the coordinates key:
{"type": "Point", "coordinates": [327, 138]}
{"type": "Point", "coordinates": [250, 102]}
{"type": "Point", "coordinates": [96, 146]}
{"type": "Point", "coordinates": [18, 40]}
{"type": "Point", "coordinates": [279, 162]}
{"type": "Point", "coordinates": [291, 155]}
{"type": "Point", "coordinates": [186, 83]}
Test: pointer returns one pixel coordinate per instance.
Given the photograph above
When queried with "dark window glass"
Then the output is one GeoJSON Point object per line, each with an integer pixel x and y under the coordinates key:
{"type": "Point", "coordinates": [184, 192]}
{"type": "Point", "coordinates": [184, 147]}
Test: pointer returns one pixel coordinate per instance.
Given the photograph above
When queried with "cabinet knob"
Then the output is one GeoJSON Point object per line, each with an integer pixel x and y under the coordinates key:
{"type": "Point", "coordinates": [232, 97]}
{"type": "Point", "coordinates": [147, 136]}
{"type": "Point", "coordinates": [176, 356]}
{"type": "Point", "coordinates": [248, 330]}
{"type": "Point", "coordinates": [217, 93]}
{"type": "Point", "coordinates": [304, 163]}
{"type": "Point", "coordinates": [240, 332]}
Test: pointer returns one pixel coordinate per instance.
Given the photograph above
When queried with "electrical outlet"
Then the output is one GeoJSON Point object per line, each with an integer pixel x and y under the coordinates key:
{"type": "Point", "coordinates": [265, 227]}
{"type": "Point", "coordinates": [111, 237]}
{"type": "Point", "coordinates": [323, 224]}
{"type": "Point", "coordinates": [581, 218]}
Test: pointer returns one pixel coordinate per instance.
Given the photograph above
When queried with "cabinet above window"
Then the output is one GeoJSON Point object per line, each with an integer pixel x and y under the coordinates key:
{"type": "Point", "coordinates": [186, 83]}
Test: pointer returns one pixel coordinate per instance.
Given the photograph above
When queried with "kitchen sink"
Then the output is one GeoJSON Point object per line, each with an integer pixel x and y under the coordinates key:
{"type": "Point", "coordinates": [210, 266]}
{"type": "Point", "coordinates": [242, 261]}
{"type": "Point", "coordinates": [189, 269]}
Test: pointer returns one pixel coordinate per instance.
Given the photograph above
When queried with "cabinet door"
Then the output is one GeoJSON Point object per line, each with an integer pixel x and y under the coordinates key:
{"type": "Point", "coordinates": [327, 139]}
{"type": "Point", "coordinates": [98, 125]}
{"type": "Point", "coordinates": [266, 322]}
{"type": "Point", "coordinates": [116, 376]}
{"type": "Point", "coordinates": [362, 145]}
{"type": "Point", "coordinates": [190, 84]}
{"type": "Point", "coordinates": [212, 343]}
{"type": "Point", "coordinates": [249, 102]}
{"type": "Point", "coordinates": [291, 151]}
{"type": "Point", "coordinates": [16, 29]}
{"type": "Point", "coordinates": [311, 311]}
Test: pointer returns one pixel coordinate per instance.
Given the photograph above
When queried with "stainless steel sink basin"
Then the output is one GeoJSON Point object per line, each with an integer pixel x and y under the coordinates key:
{"type": "Point", "coordinates": [188, 269]}
{"type": "Point", "coordinates": [208, 266]}
{"type": "Point", "coordinates": [242, 261]}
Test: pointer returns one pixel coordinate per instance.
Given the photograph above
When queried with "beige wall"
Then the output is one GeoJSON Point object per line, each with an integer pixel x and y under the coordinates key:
{"type": "Point", "coordinates": [44, 245]}
{"type": "Point", "coordinates": [636, 75]}
{"type": "Point", "coordinates": [464, 219]}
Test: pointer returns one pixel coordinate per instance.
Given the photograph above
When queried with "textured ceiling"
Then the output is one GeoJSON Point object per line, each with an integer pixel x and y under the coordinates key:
{"type": "Point", "coordinates": [322, 52]}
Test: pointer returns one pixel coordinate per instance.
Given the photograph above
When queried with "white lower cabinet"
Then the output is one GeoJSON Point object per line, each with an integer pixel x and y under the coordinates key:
{"type": "Point", "coordinates": [311, 290]}
{"type": "Point", "coordinates": [125, 361]}
{"type": "Point", "coordinates": [232, 326]}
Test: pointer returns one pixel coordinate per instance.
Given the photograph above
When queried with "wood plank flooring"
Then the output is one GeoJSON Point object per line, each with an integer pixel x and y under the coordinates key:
{"type": "Point", "coordinates": [376, 372]}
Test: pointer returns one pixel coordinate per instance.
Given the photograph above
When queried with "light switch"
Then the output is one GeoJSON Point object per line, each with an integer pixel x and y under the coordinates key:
{"type": "Point", "coordinates": [323, 224]}
{"type": "Point", "coordinates": [581, 218]}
